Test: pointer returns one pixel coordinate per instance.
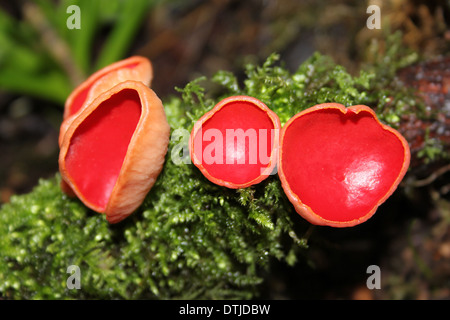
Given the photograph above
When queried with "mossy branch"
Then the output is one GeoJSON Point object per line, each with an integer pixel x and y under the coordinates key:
{"type": "Point", "coordinates": [190, 238]}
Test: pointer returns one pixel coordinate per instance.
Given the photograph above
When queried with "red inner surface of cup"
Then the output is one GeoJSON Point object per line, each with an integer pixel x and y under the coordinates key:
{"type": "Point", "coordinates": [81, 97]}
{"type": "Point", "coordinates": [99, 145]}
{"type": "Point", "coordinates": [244, 154]}
{"type": "Point", "coordinates": [340, 165]}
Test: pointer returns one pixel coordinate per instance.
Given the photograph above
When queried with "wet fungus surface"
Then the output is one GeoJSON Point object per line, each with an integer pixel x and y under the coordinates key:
{"type": "Point", "coordinates": [236, 143]}
{"type": "Point", "coordinates": [337, 164]}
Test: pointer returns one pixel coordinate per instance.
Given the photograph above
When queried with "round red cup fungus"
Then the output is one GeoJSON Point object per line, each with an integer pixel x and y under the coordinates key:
{"type": "Point", "coordinates": [236, 143]}
{"type": "Point", "coordinates": [114, 150]}
{"type": "Point", "coordinates": [337, 165]}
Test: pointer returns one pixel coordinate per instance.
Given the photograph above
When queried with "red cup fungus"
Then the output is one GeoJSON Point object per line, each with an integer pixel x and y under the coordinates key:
{"type": "Point", "coordinates": [236, 143]}
{"type": "Point", "coordinates": [133, 68]}
{"type": "Point", "coordinates": [114, 149]}
{"type": "Point", "coordinates": [337, 165]}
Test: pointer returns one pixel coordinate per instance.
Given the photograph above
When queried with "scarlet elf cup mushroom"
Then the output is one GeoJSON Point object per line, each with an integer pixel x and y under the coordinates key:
{"type": "Point", "coordinates": [338, 164]}
{"type": "Point", "coordinates": [133, 68]}
{"type": "Point", "coordinates": [114, 150]}
{"type": "Point", "coordinates": [236, 143]}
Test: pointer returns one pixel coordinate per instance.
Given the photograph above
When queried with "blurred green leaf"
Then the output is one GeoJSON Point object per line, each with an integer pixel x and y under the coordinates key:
{"type": "Point", "coordinates": [13, 52]}
{"type": "Point", "coordinates": [130, 17]}
{"type": "Point", "coordinates": [29, 65]}
{"type": "Point", "coordinates": [53, 86]}
{"type": "Point", "coordinates": [81, 40]}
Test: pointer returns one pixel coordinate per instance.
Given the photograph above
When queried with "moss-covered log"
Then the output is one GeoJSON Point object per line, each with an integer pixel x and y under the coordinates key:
{"type": "Point", "coordinates": [190, 238]}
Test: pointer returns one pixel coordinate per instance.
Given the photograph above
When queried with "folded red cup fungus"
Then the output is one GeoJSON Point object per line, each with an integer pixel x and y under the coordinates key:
{"type": "Point", "coordinates": [114, 150]}
{"type": "Point", "coordinates": [134, 68]}
{"type": "Point", "coordinates": [337, 165]}
{"type": "Point", "coordinates": [236, 143]}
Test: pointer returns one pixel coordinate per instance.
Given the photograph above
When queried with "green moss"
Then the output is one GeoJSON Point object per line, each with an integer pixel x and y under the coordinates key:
{"type": "Point", "coordinates": [190, 238]}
